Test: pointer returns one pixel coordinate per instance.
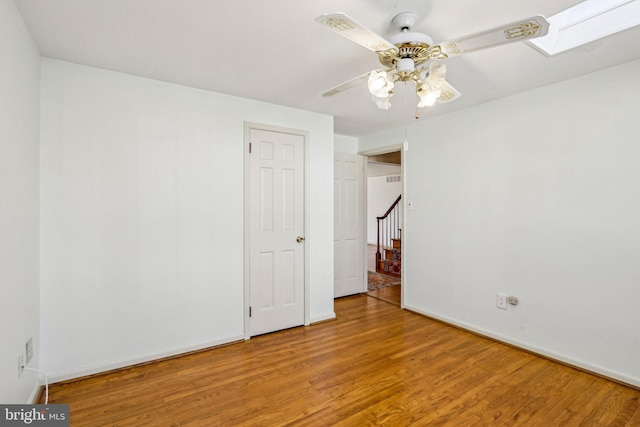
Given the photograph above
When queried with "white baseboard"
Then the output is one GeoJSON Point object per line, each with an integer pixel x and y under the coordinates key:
{"type": "Point", "coordinates": [599, 370]}
{"type": "Point", "coordinates": [97, 369]}
{"type": "Point", "coordinates": [35, 392]}
{"type": "Point", "coordinates": [318, 319]}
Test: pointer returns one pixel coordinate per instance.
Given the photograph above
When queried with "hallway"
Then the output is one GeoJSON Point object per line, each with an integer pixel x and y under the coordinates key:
{"type": "Point", "coordinates": [380, 286]}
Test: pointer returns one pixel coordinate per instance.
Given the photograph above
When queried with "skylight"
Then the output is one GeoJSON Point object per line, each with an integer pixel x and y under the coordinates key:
{"type": "Point", "coordinates": [588, 21]}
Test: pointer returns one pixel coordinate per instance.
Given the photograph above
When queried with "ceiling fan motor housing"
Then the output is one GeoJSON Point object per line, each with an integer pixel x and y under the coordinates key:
{"type": "Point", "coordinates": [404, 21]}
{"type": "Point", "coordinates": [413, 47]}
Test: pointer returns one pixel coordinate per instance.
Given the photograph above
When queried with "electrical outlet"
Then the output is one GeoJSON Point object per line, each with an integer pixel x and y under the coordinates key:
{"type": "Point", "coordinates": [29, 349]}
{"type": "Point", "coordinates": [512, 300]}
{"type": "Point", "coordinates": [20, 365]}
{"type": "Point", "coordinates": [501, 301]}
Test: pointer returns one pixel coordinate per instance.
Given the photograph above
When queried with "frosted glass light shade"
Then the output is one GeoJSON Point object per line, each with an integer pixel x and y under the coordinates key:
{"type": "Point", "coordinates": [382, 103]}
{"type": "Point", "coordinates": [428, 97]}
{"type": "Point", "coordinates": [379, 84]}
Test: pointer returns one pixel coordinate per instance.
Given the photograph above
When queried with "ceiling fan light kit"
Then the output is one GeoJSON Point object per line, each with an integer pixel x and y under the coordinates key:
{"type": "Point", "coordinates": [381, 89]}
{"type": "Point", "coordinates": [427, 96]}
{"type": "Point", "coordinates": [412, 57]}
{"type": "Point", "coordinates": [380, 85]}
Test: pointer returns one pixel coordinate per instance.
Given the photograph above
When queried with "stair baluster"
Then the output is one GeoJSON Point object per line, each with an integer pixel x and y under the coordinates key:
{"type": "Point", "coordinates": [389, 237]}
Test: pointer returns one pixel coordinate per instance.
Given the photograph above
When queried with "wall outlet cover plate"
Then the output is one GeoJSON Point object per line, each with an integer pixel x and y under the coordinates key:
{"type": "Point", "coordinates": [501, 301]}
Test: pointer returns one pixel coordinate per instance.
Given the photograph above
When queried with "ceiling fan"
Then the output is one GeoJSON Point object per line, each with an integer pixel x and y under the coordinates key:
{"type": "Point", "coordinates": [412, 57]}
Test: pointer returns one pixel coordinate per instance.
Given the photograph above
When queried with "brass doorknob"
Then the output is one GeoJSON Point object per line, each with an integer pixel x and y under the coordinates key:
{"type": "Point", "coordinates": [299, 239]}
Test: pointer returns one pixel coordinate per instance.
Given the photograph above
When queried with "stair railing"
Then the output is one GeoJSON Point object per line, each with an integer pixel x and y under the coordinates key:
{"type": "Point", "coordinates": [389, 228]}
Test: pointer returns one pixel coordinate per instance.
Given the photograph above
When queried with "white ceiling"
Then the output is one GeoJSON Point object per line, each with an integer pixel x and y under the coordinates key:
{"type": "Point", "coordinates": [273, 51]}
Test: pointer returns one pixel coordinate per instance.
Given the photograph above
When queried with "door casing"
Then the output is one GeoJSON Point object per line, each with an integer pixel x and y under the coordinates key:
{"type": "Point", "coordinates": [382, 150]}
{"type": "Point", "coordinates": [360, 279]}
{"type": "Point", "coordinates": [247, 235]}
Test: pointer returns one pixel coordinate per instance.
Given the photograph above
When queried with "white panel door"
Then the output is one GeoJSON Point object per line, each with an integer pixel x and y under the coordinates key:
{"type": "Point", "coordinates": [348, 225]}
{"type": "Point", "coordinates": [276, 227]}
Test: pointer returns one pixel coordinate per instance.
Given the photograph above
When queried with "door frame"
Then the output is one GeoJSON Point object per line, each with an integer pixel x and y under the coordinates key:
{"type": "Point", "coordinates": [363, 207]}
{"type": "Point", "coordinates": [247, 237]}
{"type": "Point", "coordinates": [382, 150]}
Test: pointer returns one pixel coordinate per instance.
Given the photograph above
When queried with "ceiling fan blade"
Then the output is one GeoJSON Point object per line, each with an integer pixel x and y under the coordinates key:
{"type": "Point", "coordinates": [526, 29]}
{"type": "Point", "coordinates": [346, 85]}
{"type": "Point", "coordinates": [437, 71]}
{"type": "Point", "coordinates": [449, 93]}
{"type": "Point", "coordinates": [354, 31]}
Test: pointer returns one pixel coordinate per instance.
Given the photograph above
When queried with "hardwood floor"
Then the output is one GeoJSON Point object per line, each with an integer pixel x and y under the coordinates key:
{"type": "Point", "coordinates": [375, 365]}
{"type": "Point", "coordinates": [390, 294]}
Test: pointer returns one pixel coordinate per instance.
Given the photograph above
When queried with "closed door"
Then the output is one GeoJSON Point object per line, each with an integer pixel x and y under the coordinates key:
{"type": "Point", "coordinates": [348, 266]}
{"type": "Point", "coordinates": [276, 227]}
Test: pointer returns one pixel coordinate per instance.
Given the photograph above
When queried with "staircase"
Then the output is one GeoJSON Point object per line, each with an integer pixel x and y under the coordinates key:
{"type": "Point", "coordinates": [389, 249]}
{"type": "Point", "coordinates": [391, 262]}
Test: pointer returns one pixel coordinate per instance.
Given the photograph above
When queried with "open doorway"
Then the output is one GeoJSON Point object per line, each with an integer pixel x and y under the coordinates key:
{"type": "Point", "coordinates": [384, 227]}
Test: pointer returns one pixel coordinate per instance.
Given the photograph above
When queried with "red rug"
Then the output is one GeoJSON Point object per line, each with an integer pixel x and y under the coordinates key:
{"type": "Point", "coordinates": [377, 280]}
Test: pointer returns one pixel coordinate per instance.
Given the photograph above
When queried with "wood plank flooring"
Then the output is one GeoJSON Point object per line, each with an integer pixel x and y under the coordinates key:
{"type": "Point", "coordinates": [390, 294]}
{"type": "Point", "coordinates": [375, 365]}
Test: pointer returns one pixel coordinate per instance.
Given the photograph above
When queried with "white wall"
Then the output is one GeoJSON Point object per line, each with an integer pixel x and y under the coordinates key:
{"type": "Point", "coordinates": [142, 216]}
{"type": "Point", "coordinates": [345, 144]}
{"type": "Point", "coordinates": [380, 195]}
{"type": "Point", "coordinates": [538, 196]}
{"type": "Point", "coordinates": [19, 133]}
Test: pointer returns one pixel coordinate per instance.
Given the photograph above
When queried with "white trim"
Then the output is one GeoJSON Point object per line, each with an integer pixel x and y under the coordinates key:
{"type": "Point", "coordinates": [365, 229]}
{"type": "Point", "coordinates": [246, 236]}
{"type": "Point", "coordinates": [322, 318]}
{"type": "Point", "coordinates": [618, 376]}
{"type": "Point", "coordinates": [307, 227]}
{"type": "Point", "coordinates": [376, 151]}
{"type": "Point", "coordinates": [382, 150]}
{"type": "Point", "coordinates": [586, 22]}
{"type": "Point", "coordinates": [362, 205]}
{"type": "Point", "coordinates": [403, 232]}
{"type": "Point", "coordinates": [33, 397]}
{"type": "Point", "coordinates": [307, 278]}
{"type": "Point", "coordinates": [102, 368]}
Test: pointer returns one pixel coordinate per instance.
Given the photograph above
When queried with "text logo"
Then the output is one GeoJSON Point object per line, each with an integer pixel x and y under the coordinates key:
{"type": "Point", "coordinates": [34, 415]}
